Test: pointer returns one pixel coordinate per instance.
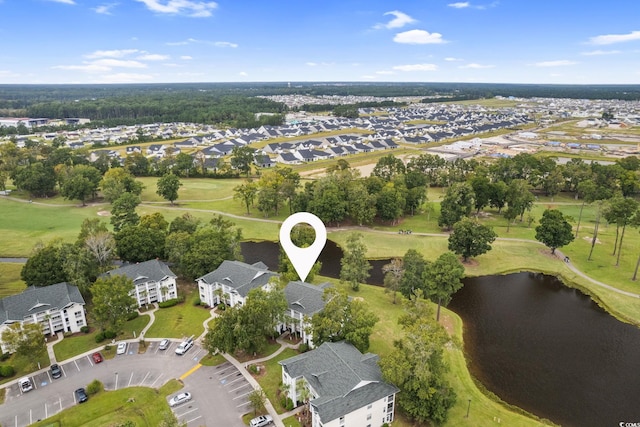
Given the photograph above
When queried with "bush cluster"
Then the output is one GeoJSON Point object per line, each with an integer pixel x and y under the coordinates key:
{"type": "Point", "coordinates": [170, 303]}
{"type": "Point", "coordinates": [94, 387]}
{"type": "Point", "coordinates": [105, 335]}
{"type": "Point", "coordinates": [7, 371]}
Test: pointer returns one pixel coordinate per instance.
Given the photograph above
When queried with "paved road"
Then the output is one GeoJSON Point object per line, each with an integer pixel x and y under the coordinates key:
{"type": "Point", "coordinates": [219, 393]}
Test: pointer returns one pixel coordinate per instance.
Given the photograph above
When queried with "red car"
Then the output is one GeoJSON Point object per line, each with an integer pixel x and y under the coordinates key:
{"type": "Point", "coordinates": [97, 357]}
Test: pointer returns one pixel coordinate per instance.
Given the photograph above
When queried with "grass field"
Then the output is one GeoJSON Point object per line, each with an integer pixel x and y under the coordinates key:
{"type": "Point", "coordinates": [141, 405]}
{"type": "Point", "coordinates": [10, 282]}
{"type": "Point", "coordinates": [179, 321]}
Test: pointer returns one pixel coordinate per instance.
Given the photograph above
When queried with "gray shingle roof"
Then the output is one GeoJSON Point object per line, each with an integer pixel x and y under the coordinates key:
{"type": "Point", "coordinates": [304, 297]}
{"type": "Point", "coordinates": [152, 270]}
{"type": "Point", "coordinates": [36, 299]}
{"type": "Point", "coordinates": [240, 276]}
{"type": "Point", "coordinates": [343, 378]}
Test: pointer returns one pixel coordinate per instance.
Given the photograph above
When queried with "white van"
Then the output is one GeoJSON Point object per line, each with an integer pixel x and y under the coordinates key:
{"type": "Point", "coordinates": [25, 384]}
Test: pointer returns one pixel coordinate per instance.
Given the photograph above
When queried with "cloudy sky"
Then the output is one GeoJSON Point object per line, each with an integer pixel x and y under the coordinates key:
{"type": "Point", "coordinates": [156, 41]}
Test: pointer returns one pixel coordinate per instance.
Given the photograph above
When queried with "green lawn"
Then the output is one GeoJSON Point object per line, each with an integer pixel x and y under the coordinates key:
{"type": "Point", "coordinates": [144, 406]}
{"type": "Point", "coordinates": [179, 321]}
{"type": "Point", "coordinates": [10, 282]}
{"type": "Point", "coordinates": [81, 343]}
{"type": "Point", "coordinates": [24, 366]}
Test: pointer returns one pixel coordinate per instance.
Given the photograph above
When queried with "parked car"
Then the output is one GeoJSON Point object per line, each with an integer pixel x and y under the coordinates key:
{"type": "Point", "coordinates": [164, 344]}
{"type": "Point", "coordinates": [261, 421]}
{"type": "Point", "coordinates": [122, 348]}
{"type": "Point", "coordinates": [179, 399]}
{"type": "Point", "coordinates": [184, 346]}
{"type": "Point", "coordinates": [81, 395]}
{"type": "Point", "coordinates": [97, 357]}
{"type": "Point", "coordinates": [56, 372]}
{"type": "Point", "coordinates": [25, 384]}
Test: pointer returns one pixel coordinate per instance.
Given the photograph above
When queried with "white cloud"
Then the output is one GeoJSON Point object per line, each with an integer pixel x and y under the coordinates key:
{"type": "Point", "coordinates": [416, 67]}
{"type": "Point", "coordinates": [368, 77]}
{"type": "Point", "coordinates": [476, 66]}
{"type": "Point", "coordinates": [615, 38]}
{"type": "Point", "coordinates": [601, 52]}
{"type": "Point", "coordinates": [452, 59]}
{"type": "Point", "coordinates": [63, 1]}
{"type": "Point", "coordinates": [418, 37]}
{"type": "Point", "coordinates": [117, 53]}
{"type": "Point", "coordinates": [385, 72]}
{"type": "Point", "coordinates": [153, 57]}
{"type": "Point", "coordinates": [111, 63]}
{"type": "Point", "coordinates": [172, 65]}
{"type": "Point", "coordinates": [125, 78]}
{"type": "Point", "coordinates": [310, 64]}
{"type": "Point", "coordinates": [400, 20]}
{"type": "Point", "coordinates": [186, 57]}
{"type": "Point", "coordinates": [207, 42]}
{"type": "Point", "coordinates": [243, 73]}
{"type": "Point", "coordinates": [559, 63]}
{"type": "Point", "coordinates": [194, 9]}
{"type": "Point", "coordinates": [460, 5]}
{"type": "Point", "coordinates": [105, 9]}
{"type": "Point", "coordinates": [89, 68]}
{"type": "Point", "coordinates": [225, 44]}
{"type": "Point", "coordinates": [466, 4]}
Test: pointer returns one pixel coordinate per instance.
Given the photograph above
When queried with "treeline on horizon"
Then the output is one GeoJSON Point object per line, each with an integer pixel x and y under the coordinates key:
{"type": "Point", "coordinates": [235, 104]}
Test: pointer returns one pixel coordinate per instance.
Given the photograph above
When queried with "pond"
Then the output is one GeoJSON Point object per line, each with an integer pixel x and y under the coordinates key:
{"type": "Point", "coordinates": [550, 349]}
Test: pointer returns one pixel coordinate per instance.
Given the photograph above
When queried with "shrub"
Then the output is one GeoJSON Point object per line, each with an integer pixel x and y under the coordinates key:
{"type": "Point", "coordinates": [289, 404]}
{"type": "Point", "coordinates": [107, 347]}
{"type": "Point", "coordinates": [197, 302]}
{"type": "Point", "coordinates": [303, 347]}
{"type": "Point", "coordinates": [109, 335]}
{"type": "Point", "coordinates": [254, 369]}
{"type": "Point", "coordinates": [94, 387]}
{"type": "Point", "coordinates": [4, 356]}
{"type": "Point", "coordinates": [133, 315]}
{"type": "Point", "coordinates": [84, 329]}
{"type": "Point", "coordinates": [170, 303]}
{"type": "Point", "coordinates": [7, 371]}
{"type": "Point", "coordinates": [99, 337]}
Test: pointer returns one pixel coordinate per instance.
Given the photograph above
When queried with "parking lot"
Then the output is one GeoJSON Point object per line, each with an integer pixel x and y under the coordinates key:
{"type": "Point", "coordinates": [219, 393]}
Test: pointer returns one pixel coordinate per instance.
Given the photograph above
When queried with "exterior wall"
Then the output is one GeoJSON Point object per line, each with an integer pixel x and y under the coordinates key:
{"type": "Point", "coordinates": [69, 319]}
{"type": "Point", "coordinates": [373, 415]}
{"type": "Point", "coordinates": [296, 323]}
{"type": "Point", "coordinates": [210, 295]}
{"type": "Point", "coordinates": [150, 292]}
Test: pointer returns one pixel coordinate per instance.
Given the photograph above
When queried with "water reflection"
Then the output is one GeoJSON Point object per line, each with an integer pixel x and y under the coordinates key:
{"type": "Point", "coordinates": [550, 349]}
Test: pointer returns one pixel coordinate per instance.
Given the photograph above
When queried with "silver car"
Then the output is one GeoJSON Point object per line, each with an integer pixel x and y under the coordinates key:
{"type": "Point", "coordinates": [179, 399]}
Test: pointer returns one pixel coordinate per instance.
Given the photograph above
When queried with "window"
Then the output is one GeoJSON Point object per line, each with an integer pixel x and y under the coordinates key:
{"type": "Point", "coordinates": [368, 417]}
{"type": "Point", "coordinates": [341, 421]}
{"type": "Point", "coordinates": [370, 406]}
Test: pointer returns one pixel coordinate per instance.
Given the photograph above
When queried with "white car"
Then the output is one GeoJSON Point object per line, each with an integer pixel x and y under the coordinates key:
{"type": "Point", "coordinates": [261, 421]}
{"type": "Point", "coordinates": [164, 344]}
{"type": "Point", "coordinates": [184, 346]}
{"type": "Point", "coordinates": [122, 348]}
{"type": "Point", "coordinates": [179, 399]}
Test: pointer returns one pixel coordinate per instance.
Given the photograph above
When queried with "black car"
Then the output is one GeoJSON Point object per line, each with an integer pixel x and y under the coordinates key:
{"type": "Point", "coordinates": [56, 372]}
{"type": "Point", "coordinates": [81, 395]}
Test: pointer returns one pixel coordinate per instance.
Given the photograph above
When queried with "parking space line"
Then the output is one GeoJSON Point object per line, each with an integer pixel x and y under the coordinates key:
{"type": "Point", "coordinates": [193, 419]}
{"type": "Point", "coordinates": [30, 417]}
{"type": "Point", "coordinates": [89, 359]}
{"type": "Point", "coordinates": [154, 383]}
{"type": "Point", "coordinates": [234, 381]}
{"type": "Point", "coordinates": [242, 395]}
{"type": "Point", "coordinates": [242, 386]}
{"type": "Point", "coordinates": [225, 376]}
{"type": "Point", "coordinates": [130, 379]}
{"type": "Point", "coordinates": [63, 372]}
{"type": "Point", "coordinates": [46, 411]}
{"type": "Point", "coordinates": [77, 367]}
{"type": "Point", "coordinates": [145, 378]}
{"type": "Point", "coordinates": [188, 412]}
{"type": "Point", "coordinates": [49, 375]}
{"type": "Point", "coordinates": [243, 404]}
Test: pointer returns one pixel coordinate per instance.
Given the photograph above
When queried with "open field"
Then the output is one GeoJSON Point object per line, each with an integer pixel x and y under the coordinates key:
{"type": "Point", "coordinates": [10, 282]}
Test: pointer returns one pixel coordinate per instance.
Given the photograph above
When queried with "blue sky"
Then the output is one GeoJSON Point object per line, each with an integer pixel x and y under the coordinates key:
{"type": "Point", "coordinates": [157, 41]}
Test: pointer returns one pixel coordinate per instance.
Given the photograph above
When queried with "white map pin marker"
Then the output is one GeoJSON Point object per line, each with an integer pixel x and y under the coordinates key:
{"type": "Point", "coordinates": [303, 258]}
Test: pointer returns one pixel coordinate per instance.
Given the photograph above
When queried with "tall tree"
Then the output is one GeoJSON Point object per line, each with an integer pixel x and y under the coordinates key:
{"type": "Point", "coordinates": [168, 187]}
{"type": "Point", "coordinates": [587, 190]}
{"type": "Point", "coordinates": [443, 277]}
{"type": "Point", "coordinates": [620, 210]}
{"type": "Point", "coordinates": [412, 278]}
{"type": "Point", "coordinates": [389, 167]}
{"type": "Point", "coordinates": [246, 193]}
{"type": "Point", "coordinates": [519, 197]}
{"type": "Point", "coordinates": [554, 230]}
{"type": "Point", "coordinates": [123, 211]}
{"type": "Point", "coordinates": [425, 394]}
{"type": "Point", "coordinates": [355, 267]}
{"type": "Point", "coordinates": [45, 266]}
{"type": "Point", "coordinates": [456, 204]}
{"type": "Point", "coordinates": [343, 319]}
{"type": "Point", "coordinates": [242, 159]}
{"type": "Point", "coordinates": [470, 238]}
{"type": "Point", "coordinates": [25, 339]}
{"type": "Point", "coordinates": [393, 273]}
{"type": "Point", "coordinates": [391, 201]}
{"type": "Point", "coordinates": [481, 191]}
{"type": "Point", "coordinates": [35, 179]}
{"type": "Point", "coordinates": [112, 303]}
{"type": "Point", "coordinates": [117, 181]}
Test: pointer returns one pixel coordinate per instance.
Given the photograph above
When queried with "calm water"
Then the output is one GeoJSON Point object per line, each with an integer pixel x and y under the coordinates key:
{"type": "Point", "coordinates": [550, 350]}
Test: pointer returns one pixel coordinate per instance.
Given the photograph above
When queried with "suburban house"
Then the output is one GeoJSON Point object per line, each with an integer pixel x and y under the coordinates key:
{"type": "Point", "coordinates": [231, 282]}
{"type": "Point", "coordinates": [153, 281]}
{"type": "Point", "coordinates": [304, 301]}
{"type": "Point", "coordinates": [58, 308]}
{"type": "Point", "coordinates": [345, 386]}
